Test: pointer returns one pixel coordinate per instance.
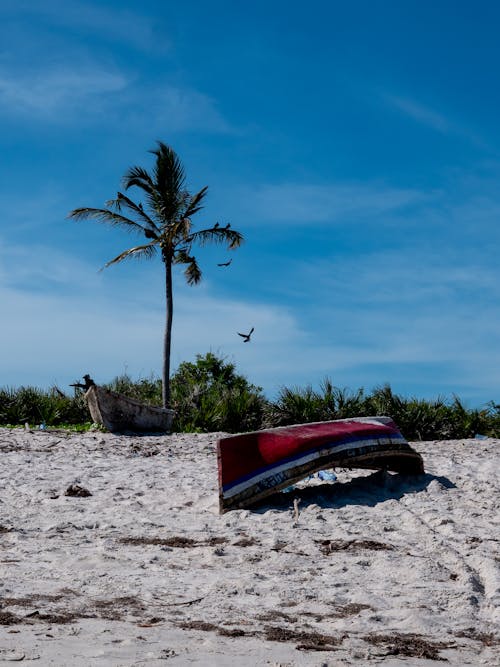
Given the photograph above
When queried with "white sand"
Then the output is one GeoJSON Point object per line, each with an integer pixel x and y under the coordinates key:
{"type": "Point", "coordinates": [399, 557]}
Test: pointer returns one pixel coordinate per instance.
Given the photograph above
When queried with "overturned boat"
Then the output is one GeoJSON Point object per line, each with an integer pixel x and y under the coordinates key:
{"type": "Point", "coordinates": [255, 465]}
{"type": "Point", "coordinates": [119, 413]}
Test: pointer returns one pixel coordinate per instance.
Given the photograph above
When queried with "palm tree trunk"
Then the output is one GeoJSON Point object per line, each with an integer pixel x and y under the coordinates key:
{"type": "Point", "coordinates": [167, 339]}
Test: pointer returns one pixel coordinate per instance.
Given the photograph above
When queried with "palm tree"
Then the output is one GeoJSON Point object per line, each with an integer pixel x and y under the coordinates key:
{"type": "Point", "coordinates": [165, 221]}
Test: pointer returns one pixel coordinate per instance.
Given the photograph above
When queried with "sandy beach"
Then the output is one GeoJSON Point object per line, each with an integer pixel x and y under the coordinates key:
{"type": "Point", "coordinates": [113, 552]}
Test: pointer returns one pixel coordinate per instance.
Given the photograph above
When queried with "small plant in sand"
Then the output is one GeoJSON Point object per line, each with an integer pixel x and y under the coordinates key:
{"type": "Point", "coordinates": [165, 220]}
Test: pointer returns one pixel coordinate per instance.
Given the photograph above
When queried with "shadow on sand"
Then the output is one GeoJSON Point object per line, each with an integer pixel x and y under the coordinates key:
{"type": "Point", "coordinates": [369, 490]}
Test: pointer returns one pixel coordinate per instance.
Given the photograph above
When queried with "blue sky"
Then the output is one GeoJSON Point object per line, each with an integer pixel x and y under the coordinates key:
{"type": "Point", "coordinates": [356, 145]}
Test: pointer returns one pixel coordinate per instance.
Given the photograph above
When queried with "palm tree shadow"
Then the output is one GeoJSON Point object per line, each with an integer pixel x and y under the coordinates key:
{"type": "Point", "coordinates": [371, 490]}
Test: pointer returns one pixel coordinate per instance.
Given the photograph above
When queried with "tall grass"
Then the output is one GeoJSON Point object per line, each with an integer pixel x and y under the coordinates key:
{"type": "Point", "coordinates": [418, 419]}
{"type": "Point", "coordinates": [147, 390]}
{"type": "Point", "coordinates": [38, 406]}
{"type": "Point", "coordinates": [304, 405]}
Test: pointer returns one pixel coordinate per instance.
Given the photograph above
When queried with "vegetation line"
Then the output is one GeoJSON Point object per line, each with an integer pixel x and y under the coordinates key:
{"type": "Point", "coordinates": [209, 395]}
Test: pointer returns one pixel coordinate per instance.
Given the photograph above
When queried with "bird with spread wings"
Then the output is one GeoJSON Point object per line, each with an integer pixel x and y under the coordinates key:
{"type": "Point", "coordinates": [246, 337]}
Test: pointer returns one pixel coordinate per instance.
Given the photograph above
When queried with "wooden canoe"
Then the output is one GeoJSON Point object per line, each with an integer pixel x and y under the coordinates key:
{"type": "Point", "coordinates": [255, 465]}
{"type": "Point", "coordinates": [119, 413]}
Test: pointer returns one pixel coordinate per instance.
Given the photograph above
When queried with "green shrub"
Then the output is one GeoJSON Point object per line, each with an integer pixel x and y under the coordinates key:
{"type": "Point", "coordinates": [208, 395]}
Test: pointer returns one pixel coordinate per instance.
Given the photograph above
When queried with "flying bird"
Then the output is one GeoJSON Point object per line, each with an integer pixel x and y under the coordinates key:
{"type": "Point", "coordinates": [225, 263]}
{"type": "Point", "coordinates": [246, 337]}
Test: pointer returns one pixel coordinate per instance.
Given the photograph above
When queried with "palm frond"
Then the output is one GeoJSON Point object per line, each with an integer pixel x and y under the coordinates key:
{"type": "Point", "coordinates": [192, 272]}
{"type": "Point", "coordinates": [139, 252]}
{"type": "Point", "coordinates": [235, 239]}
{"type": "Point", "coordinates": [217, 235]}
{"type": "Point", "coordinates": [182, 256]}
{"type": "Point", "coordinates": [139, 177]}
{"type": "Point", "coordinates": [104, 215]}
{"type": "Point", "coordinates": [123, 200]}
{"type": "Point", "coordinates": [195, 201]}
{"type": "Point", "coordinates": [168, 170]}
{"type": "Point", "coordinates": [180, 231]}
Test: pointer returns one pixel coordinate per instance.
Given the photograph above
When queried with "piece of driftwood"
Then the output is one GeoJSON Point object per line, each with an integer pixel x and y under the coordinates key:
{"type": "Point", "coordinates": [88, 382]}
{"type": "Point", "coordinates": [255, 465]}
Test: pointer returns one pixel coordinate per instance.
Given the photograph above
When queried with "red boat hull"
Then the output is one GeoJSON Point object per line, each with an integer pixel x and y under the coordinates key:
{"type": "Point", "coordinates": [255, 465]}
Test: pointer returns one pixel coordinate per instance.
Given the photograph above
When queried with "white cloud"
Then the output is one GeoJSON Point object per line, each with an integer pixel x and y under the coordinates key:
{"type": "Point", "coordinates": [429, 117]}
{"type": "Point", "coordinates": [411, 275]}
{"type": "Point", "coordinates": [420, 113]}
{"type": "Point", "coordinates": [350, 332]}
{"type": "Point", "coordinates": [96, 325]}
{"type": "Point", "coordinates": [57, 90]}
{"type": "Point", "coordinates": [398, 316]}
{"type": "Point", "coordinates": [63, 94]}
{"type": "Point", "coordinates": [24, 212]}
{"type": "Point", "coordinates": [182, 109]}
{"type": "Point", "coordinates": [112, 24]}
{"type": "Point", "coordinates": [38, 267]}
{"type": "Point", "coordinates": [296, 203]}
{"type": "Point", "coordinates": [55, 337]}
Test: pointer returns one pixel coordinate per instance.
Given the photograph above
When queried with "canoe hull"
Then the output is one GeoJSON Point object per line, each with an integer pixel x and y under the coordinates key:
{"type": "Point", "coordinates": [255, 465]}
{"type": "Point", "coordinates": [120, 413]}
